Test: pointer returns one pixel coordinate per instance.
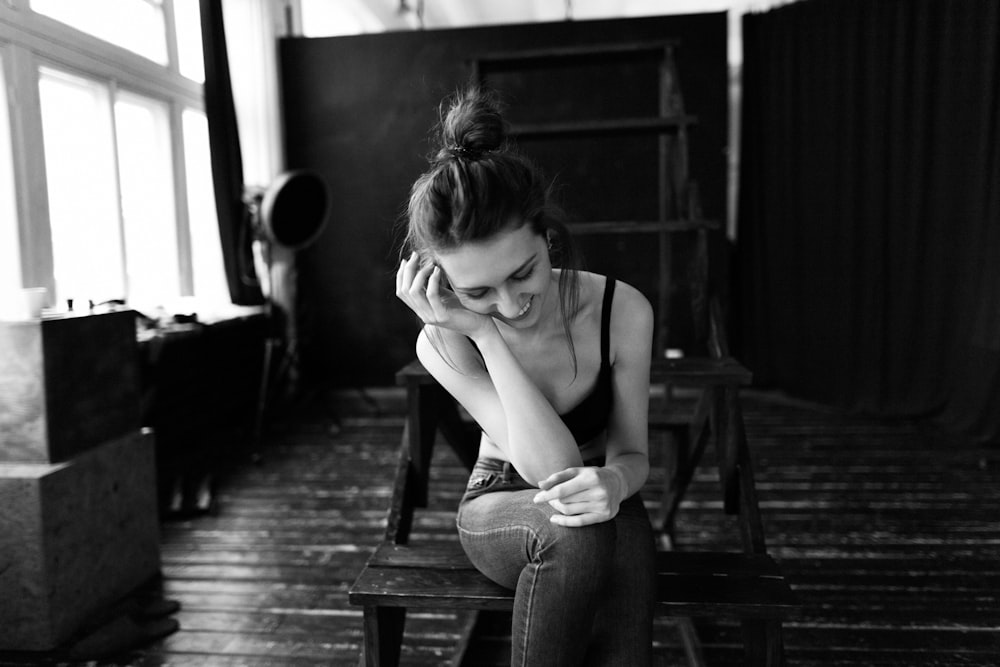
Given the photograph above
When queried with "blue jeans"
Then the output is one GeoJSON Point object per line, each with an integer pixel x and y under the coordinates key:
{"type": "Point", "coordinates": [583, 596]}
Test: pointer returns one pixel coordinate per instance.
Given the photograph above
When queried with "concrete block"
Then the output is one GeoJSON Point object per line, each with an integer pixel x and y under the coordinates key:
{"type": "Point", "coordinates": [75, 537]}
{"type": "Point", "coordinates": [67, 383]}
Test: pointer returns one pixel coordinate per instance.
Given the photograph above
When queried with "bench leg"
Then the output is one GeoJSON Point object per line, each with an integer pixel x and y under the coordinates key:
{"type": "Point", "coordinates": [775, 644]}
{"type": "Point", "coordinates": [691, 444]}
{"type": "Point", "coordinates": [383, 628]}
{"type": "Point", "coordinates": [691, 643]}
{"type": "Point", "coordinates": [763, 644]}
{"type": "Point", "coordinates": [671, 463]}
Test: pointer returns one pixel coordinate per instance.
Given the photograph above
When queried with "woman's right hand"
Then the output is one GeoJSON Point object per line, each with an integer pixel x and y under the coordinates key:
{"type": "Point", "coordinates": [420, 288]}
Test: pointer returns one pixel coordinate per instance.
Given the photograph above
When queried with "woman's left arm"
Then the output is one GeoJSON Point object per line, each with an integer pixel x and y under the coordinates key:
{"type": "Point", "coordinates": [591, 495]}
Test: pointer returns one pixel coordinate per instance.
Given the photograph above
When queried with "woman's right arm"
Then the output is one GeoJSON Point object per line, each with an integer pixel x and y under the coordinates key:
{"type": "Point", "coordinates": [504, 401]}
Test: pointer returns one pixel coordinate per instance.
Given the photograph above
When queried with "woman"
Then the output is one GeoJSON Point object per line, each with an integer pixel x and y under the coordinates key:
{"type": "Point", "coordinates": [553, 364]}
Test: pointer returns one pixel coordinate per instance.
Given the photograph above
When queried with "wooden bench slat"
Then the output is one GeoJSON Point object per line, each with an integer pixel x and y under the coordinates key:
{"type": "Point", "coordinates": [716, 563]}
{"type": "Point", "coordinates": [689, 583]}
{"type": "Point", "coordinates": [450, 556]}
{"type": "Point", "coordinates": [428, 588]}
{"type": "Point", "coordinates": [693, 371]}
{"type": "Point", "coordinates": [443, 556]}
{"type": "Point", "coordinates": [699, 371]}
{"type": "Point", "coordinates": [733, 597]}
{"type": "Point", "coordinates": [677, 594]}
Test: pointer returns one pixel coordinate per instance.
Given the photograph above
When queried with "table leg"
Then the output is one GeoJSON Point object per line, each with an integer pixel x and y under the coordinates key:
{"type": "Point", "coordinates": [383, 628]}
{"type": "Point", "coordinates": [689, 454]}
{"type": "Point", "coordinates": [422, 404]}
{"type": "Point", "coordinates": [727, 445]}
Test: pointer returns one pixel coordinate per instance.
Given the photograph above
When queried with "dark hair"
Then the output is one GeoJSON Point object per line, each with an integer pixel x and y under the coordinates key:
{"type": "Point", "coordinates": [478, 185]}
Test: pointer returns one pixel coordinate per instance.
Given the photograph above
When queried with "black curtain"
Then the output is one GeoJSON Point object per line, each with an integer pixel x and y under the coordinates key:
{"type": "Point", "coordinates": [227, 160]}
{"type": "Point", "coordinates": [868, 261]}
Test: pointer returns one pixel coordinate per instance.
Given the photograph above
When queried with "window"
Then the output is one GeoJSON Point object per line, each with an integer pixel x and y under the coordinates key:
{"type": "Point", "coordinates": [137, 25]}
{"type": "Point", "coordinates": [187, 17]}
{"type": "Point", "coordinates": [10, 261]}
{"type": "Point", "coordinates": [111, 153]}
{"type": "Point", "coordinates": [80, 173]}
{"type": "Point", "coordinates": [145, 167]}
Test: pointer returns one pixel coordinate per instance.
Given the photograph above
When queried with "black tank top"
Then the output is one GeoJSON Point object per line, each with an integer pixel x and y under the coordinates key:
{"type": "Point", "coordinates": [589, 417]}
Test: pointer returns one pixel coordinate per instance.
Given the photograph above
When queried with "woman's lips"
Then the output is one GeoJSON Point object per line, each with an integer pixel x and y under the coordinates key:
{"type": "Point", "coordinates": [523, 313]}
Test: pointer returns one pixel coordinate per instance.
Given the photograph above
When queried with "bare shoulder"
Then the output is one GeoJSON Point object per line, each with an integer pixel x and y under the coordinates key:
{"type": "Point", "coordinates": [630, 307]}
{"type": "Point", "coordinates": [631, 319]}
{"type": "Point", "coordinates": [443, 352]}
{"type": "Point", "coordinates": [631, 312]}
{"type": "Point", "coordinates": [630, 302]}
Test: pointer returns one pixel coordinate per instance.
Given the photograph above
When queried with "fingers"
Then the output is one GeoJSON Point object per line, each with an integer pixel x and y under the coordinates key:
{"type": "Point", "coordinates": [557, 478]}
{"type": "Point", "coordinates": [566, 483]}
{"type": "Point", "coordinates": [425, 290]}
{"type": "Point", "coordinates": [404, 276]}
{"type": "Point", "coordinates": [433, 293]}
{"type": "Point", "coordinates": [411, 284]}
{"type": "Point", "coordinates": [581, 513]}
{"type": "Point", "coordinates": [579, 497]}
{"type": "Point", "coordinates": [569, 497]}
{"type": "Point", "coordinates": [578, 520]}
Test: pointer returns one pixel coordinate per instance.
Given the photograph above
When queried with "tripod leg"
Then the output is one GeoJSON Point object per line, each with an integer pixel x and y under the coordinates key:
{"type": "Point", "coordinates": [265, 379]}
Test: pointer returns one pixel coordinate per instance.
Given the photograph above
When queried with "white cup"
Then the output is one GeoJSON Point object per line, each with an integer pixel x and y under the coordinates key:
{"type": "Point", "coordinates": [34, 301]}
{"type": "Point", "coordinates": [22, 304]}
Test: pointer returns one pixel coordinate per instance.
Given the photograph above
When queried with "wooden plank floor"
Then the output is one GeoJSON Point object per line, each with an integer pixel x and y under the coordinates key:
{"type": "Point", "coordinates": [890, 533]}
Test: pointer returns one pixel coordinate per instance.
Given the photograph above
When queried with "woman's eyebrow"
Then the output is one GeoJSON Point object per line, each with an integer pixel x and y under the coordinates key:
{"type": "Point", "coordinates": [512, 274]}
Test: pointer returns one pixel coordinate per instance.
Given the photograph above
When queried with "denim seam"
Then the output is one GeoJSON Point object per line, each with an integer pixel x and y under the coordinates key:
{"type": "Point", "coordinates": [534, 580]}
{"type": "Point", "coordinates": [527, 618]}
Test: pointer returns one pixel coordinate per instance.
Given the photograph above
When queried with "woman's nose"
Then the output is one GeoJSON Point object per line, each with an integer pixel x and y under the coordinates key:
{"type": "Point", "coordinates": [508, 303]}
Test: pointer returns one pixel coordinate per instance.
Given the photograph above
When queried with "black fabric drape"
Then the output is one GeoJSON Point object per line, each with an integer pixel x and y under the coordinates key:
{"type": "Point", "coordinates": [227, 160]}
{"type": "Point", "coordinates": [868, 262]}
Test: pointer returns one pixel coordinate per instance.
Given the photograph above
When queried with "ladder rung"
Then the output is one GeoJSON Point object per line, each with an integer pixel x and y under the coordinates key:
{"type": "Point", "coordinates": [639, 226]}
{"type": "Point", "coordinates": [614, 126]}
{"type": "Point", "coordinates": [582, 52]}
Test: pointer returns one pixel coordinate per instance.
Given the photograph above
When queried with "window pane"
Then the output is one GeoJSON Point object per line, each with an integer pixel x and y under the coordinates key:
{"type": "Point", "coordinates": [147, 196]}
{"type": "Point", "coordinates": [137, 25]}
{"type": "Point", "coordinates": [187, 17]}
{"type": "Point", "coordinates": [83, 196]}
{"type": "Point", "coordinates": [206, 248]}
{"type": "Point", "coordinates": [10, 261]}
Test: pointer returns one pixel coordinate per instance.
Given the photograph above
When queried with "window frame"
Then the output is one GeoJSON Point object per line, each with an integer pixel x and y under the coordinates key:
{"type": "Point", "coordinates": [29, 41]}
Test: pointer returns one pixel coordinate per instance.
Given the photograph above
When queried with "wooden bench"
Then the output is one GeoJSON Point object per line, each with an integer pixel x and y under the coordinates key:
{"type": "Point", "coordinates": [746, 586]}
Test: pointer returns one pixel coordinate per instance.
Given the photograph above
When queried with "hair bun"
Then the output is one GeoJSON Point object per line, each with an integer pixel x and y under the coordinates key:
{"type": "Point", "coordinates": [473, 124]}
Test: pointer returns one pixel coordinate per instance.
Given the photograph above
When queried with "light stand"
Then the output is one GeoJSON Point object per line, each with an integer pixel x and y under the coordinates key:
{"type": "Point", "coordinates": [287, 216]}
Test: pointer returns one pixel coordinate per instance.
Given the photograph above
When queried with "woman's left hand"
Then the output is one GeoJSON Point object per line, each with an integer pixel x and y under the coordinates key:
{"type": "Point", "coordinates": [582, 496]}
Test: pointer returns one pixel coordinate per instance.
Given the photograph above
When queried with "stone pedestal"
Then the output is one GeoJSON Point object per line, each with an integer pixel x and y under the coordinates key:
{"type": "Point", "coordinates": [67, 383]}
{"type": "Point", "coordinates": [75, 537]}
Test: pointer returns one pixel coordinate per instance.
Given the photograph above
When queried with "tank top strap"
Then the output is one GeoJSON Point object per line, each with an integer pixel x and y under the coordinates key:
{"type": "Point", "coordinates": [609, 291]}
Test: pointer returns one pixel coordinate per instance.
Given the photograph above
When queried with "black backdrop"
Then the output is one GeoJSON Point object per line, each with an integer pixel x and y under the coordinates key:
{"type": "Point", "coordinates": [359, 111]}
{"type": "Point", "coordinates": [869, 245]}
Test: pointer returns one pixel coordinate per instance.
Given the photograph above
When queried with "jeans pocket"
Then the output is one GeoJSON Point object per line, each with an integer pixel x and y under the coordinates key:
{"type": "Point", "coordinates": [480, 480]}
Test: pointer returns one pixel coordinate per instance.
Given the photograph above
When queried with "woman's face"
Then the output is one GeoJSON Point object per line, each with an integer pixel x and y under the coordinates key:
{"type": "Point", "coordinates": [507, 276]}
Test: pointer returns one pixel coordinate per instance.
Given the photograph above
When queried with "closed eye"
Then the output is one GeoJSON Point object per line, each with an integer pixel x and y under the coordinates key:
{"type": "Point", "coordinates": [524, 276]}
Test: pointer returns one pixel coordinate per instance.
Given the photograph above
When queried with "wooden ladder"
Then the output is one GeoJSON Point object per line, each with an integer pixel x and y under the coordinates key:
{"type": "Point", "coordinates": [679, 207]}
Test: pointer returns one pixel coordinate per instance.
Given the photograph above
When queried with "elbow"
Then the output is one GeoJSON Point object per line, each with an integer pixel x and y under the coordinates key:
{"type": "Point", "coordinates": [642, 471]}
{"type": "Point", "coordinates": [534, 471]}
